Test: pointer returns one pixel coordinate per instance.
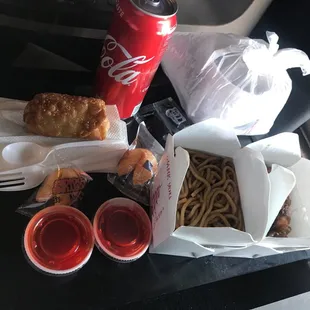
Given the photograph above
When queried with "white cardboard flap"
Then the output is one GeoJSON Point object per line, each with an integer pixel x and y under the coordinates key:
{"type": "Point", "coordinates": [280, 243]}
{"type": "Point", "coordinates": [262, 194]}
{"type": "Point", "coordinates": [254, 188]}
{"type": "Point", "coordinates": [164, 193]}
{"type": "Point", "coordinates": [300, 197]}
{"type": "Point", "coordinates": [181, 163]}
{"type": "Point", "coordinates": [212, 236]}
{"type": "Point", "coordinates": [282, 181]}
{"type": "Point", "coordinates": [179, 247]}
{"type": "Point", "coordinates": [282, 149]}
{"type": "Point", "coordinates": [253, 251]}
{"type": "Point", "coordinates": [212, 136]}
{"type": "Point", "coordinates": [161, 225]}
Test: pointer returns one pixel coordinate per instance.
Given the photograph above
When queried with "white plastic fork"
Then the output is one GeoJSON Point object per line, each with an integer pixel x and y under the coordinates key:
{"type": "Point", "coordinates": [23, 178]}
{"type": "Point", "coordinates": [29, 177]}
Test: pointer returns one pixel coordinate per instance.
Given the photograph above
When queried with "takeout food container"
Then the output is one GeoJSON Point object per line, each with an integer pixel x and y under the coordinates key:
{"type": "Point", "coordinates": [262, 194]}
{"type": "Point", "coordinates": [122, 230]}
{"type": "Point", "coordinates": [58, 240]}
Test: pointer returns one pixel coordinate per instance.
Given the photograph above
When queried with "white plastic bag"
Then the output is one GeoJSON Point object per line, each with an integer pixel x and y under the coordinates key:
{"type": "Point", "coordinates": [237, 79]}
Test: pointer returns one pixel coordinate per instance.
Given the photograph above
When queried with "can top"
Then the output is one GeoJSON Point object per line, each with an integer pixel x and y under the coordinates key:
{"type": "Point", "coordinates": [157, 8]}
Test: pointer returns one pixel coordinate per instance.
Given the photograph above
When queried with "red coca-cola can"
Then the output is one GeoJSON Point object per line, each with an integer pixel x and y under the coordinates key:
{"type": "Point", "coordinates": [132, 51]}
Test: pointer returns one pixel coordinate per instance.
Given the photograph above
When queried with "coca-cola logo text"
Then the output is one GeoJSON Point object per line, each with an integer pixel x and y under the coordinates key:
{"type": "Point", "coordinates": [118, 8]}
{"type": "Point", "coordinates": [123, 71]}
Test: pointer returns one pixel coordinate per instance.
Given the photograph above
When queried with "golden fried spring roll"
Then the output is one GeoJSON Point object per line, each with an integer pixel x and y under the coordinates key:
{"type": "Point", "coordinates": [57, 115]}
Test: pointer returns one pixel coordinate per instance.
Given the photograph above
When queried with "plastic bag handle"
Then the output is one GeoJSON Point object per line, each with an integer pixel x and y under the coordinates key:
{"type": "Point", "coordinates": [273, 39]}
{"type": "Point", "coordinates": [293, 58]}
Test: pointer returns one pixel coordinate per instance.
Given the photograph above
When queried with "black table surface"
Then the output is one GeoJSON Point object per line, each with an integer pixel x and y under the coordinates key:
{"type": "Point", "coordinates": [154, 281]}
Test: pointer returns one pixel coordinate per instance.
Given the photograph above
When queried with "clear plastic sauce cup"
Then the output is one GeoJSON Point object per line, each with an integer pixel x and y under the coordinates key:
{"type": "Point", "coordinates": [59, 240]}
{"type": "Point", "coordinates": [122, 230]}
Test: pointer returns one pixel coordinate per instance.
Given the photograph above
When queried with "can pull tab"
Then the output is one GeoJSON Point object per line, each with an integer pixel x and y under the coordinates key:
{"type": "Point", "coordinates": [152, 2]}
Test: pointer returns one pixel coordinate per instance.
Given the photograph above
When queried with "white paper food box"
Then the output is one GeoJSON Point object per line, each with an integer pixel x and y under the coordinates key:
{"type": "Point", "coordinates": [262, 194]}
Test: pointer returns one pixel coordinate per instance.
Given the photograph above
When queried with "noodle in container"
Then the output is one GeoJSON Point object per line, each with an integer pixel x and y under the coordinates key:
{"type": "Point", "coordinates": [209, 196]}
{"type": "Point", "coordinates": [212, 197]}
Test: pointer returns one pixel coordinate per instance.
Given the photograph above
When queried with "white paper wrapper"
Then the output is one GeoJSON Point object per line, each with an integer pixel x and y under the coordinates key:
{"type": "Point", "coordinates": [12, 129]}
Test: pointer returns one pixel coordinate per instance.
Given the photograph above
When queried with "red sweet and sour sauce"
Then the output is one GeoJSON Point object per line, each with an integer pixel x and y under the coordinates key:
{"type": "Point", "coordinates": [59, 239]}
{"type": "Point", "coordinates": [122, 229]}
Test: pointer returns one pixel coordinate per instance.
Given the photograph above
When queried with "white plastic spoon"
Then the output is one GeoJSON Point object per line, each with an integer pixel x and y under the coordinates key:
{"type": "Point", "coordinates": [29, 153]}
